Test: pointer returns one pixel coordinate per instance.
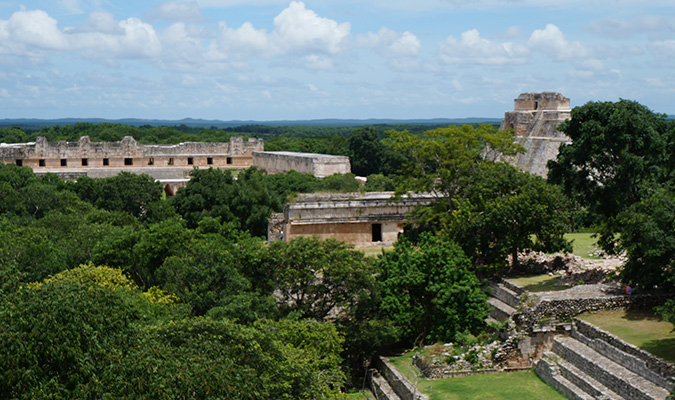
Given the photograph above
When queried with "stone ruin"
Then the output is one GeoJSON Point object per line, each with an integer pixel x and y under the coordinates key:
{"type": "Point", "coordinates": [534, 122]}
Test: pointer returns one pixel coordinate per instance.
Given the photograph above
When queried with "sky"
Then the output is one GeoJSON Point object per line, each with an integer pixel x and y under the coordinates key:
{"type": "Point", "coordinates": [290, 60]}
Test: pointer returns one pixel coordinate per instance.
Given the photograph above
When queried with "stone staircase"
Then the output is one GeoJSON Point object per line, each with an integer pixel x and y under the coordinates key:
{"type": "Point", "coordinates": [583, 368]}
{"type": "Point", "coordinates": [504, 301]}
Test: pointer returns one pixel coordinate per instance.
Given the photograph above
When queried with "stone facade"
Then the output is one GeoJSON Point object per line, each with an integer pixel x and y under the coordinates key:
{"type": "Point", "coordinates": [169, 164]}
{"type": "Point", "coordinates": [362, 219]}
{"type": "Point", "coordinates": [320, 165]}
{"type": "Point", "coordinates": [534, 122]}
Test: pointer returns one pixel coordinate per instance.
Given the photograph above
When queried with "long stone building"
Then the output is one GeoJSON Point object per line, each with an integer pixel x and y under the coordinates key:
{"type": "Point", "coordinates": [535, 120]}
{"type": "Point", "coordinates": [169, 164]}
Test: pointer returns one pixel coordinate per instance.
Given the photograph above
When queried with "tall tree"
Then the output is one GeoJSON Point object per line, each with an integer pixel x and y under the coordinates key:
{"type": "Point", "coordinates": [618, 149]}
{"type": "Point", "coordinates": [430, 292]}
{"type": "Point", "coordinates": [365, 151]}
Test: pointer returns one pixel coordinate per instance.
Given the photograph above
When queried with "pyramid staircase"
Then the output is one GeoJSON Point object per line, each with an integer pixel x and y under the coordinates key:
{"type": "Point", "coordinates": [591, 368]}
{"type": "Point", "coordinates": [504, 300]}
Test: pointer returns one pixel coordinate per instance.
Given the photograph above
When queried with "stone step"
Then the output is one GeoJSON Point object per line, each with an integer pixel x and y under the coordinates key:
{"type": "Point", "coordinates": [505, 295]}
{"type": "Point", "coordinates": [635, 364]}
{"type": "Point", "coordinates": [380, 387]}
{"type": "Point", "coordinates": [584, 382]}
{"type": "Point", "coordinates": [500, 310]}
{"type": "Point", "coordinates": [624, 382]}
{"type": "Point", "coordinates": [549, 372]}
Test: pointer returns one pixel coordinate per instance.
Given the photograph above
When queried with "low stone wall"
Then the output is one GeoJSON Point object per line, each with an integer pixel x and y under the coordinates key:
{"type": "Point", "coordinates": [431, 371]}
{"type": "Point", "coordinates": [513, 287]}
{"type": "Point", "coordinates": [404, 389]}
{"type": "Point", "coordinates": [631, 357]}
{"type": "Point", "coordinates": [567, 308]}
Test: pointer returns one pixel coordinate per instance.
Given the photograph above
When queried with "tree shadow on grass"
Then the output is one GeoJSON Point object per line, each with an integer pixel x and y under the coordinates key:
{"type": "Point", "coordinates": [641, 315]}
{"type": "Point", "coordinates": [662, 348]}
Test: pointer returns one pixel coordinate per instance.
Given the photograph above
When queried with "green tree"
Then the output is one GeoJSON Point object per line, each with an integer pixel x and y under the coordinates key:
{"type": "Point", "coordinates": [365, 151]}
{"type": "Point", "coordinates": [56, 338]}
{"type": "Point", "coordinates": [505, 211]}
{"type": "Point", "coordinates": [430, 292]}
{"type": "Point", "coordinates": [125, 192]}
{"type": "Point", "coordinates": [618, 150]}
{"type": "Point", "coordinates": [442, 162]}
{"type": "Point", "coordinates": [245, 201]}
{"type": "Point", "coordinates": [318, 278]}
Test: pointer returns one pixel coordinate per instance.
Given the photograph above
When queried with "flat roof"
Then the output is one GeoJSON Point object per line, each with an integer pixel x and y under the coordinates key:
{"type": "Point", "coordinates": [302, 155]}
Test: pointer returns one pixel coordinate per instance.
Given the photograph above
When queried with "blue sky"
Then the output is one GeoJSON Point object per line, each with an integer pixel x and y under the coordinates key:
{"type": "Point", "coordinates": [271, 60]}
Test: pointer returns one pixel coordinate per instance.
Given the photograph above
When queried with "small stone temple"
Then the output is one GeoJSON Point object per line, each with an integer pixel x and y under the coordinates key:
{"type": "Point", "coordinates": [534, 120]}
{"type": "Point", "coordinates": [361, 219]}
{"type": "Point", "coordinates": [320, 165]}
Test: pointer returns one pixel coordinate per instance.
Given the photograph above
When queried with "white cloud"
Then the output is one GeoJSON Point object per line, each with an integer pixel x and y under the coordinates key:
{"type": "Point", "coordinates": [35, 30]}
{"type": "Point", "coordinates": [246, 39]}
{"type": "Point", "coordinates": [130, 38]}
{"type": "Point", "coordinates": [391, 43]}
{"type": "Point", "coordinates": [34, 34]}
{"type": "Point", "coordinates": [182, 43]}
{"type": "Point", "coordinates": [297, 30]}
{"type": "Point", "coordinates": [177, 11]}
{"type": "Point", "coordinates": [300, 29]}
{"type": "Point", "coordinates": [551, 41]}
{"type": "Point", "coordinates": [473, 49]}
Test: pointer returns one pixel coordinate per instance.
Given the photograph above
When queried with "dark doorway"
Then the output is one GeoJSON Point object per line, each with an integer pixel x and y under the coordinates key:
{"type": "Point", "coordinates": [377, 232]}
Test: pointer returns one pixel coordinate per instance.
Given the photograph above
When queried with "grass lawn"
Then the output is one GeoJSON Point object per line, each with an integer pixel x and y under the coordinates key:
{"type": "Point", "coordinates": [643, 329]}
{"type": "Point", "coordinates": [374, 251]}
{"type": "Point", "coordinates": [507, 386]}
{"type": "Point", "coordinates": [539, 283]}
{"type": "Point", "coordinates": [363, 395]}
{"type": "Point", "coordinates": [583, 244]}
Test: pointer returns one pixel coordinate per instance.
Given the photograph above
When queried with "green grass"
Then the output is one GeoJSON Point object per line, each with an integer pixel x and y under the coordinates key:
{"type": "Point", "coordinates": [643, 329]}
{"type": "Point", "coordinates": [507, 386]}
{"type": "Point", "coordinates": [374, 251]}
{"type": "Point", "coordinates": [538, 283]}
{"type": "Point", "coordinates": [361, 395]}
{"type": "Point", "coordinates": [583, 244]}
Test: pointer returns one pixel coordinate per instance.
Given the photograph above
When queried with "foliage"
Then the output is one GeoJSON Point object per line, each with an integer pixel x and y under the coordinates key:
{"type": "Point", "coordinates": [57, 338]}
{"type": "Point", "coordinates": [506, 210]}
{"type": "Point", "coordinates": [125, 192]}
{"type": "Point", "coordinates": [379, 183]}
{"type": "Point", "coordinates": [646, 234]}
{"type": "Point", "coordinates": [618, 151]}
{"type": "Point", "coordinates": [430, 292]}
{"type": "Point", "coordinates": [619, 167]}
{"type": "Point", "coordinates": [246, 201]}
{"type": "Point", "coordinates": [443, 158]}
{"type": "Point", "coordinates": [316, 278]}
{"type": "Point", "coordinates": [86, 334]}
{"type": "Point", "coordinates": [489, 208]}
{"type": "Point", "coordinates": [365, 151]}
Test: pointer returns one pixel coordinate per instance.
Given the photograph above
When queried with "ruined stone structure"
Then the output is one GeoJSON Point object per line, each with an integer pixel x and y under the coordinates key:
{"type": "Point", "coordinates": [169, 164]}
{"type": "Point", "coordinates": [535, 121]}
{"type": "Point", "coordinates": [320, 165]}
{"type": "Point", "coordinates": [362, 219]}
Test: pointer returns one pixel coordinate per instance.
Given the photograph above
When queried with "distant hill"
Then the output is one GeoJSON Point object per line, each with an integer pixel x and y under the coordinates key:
{"type": "Point", "coordinates": [39, 123]}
